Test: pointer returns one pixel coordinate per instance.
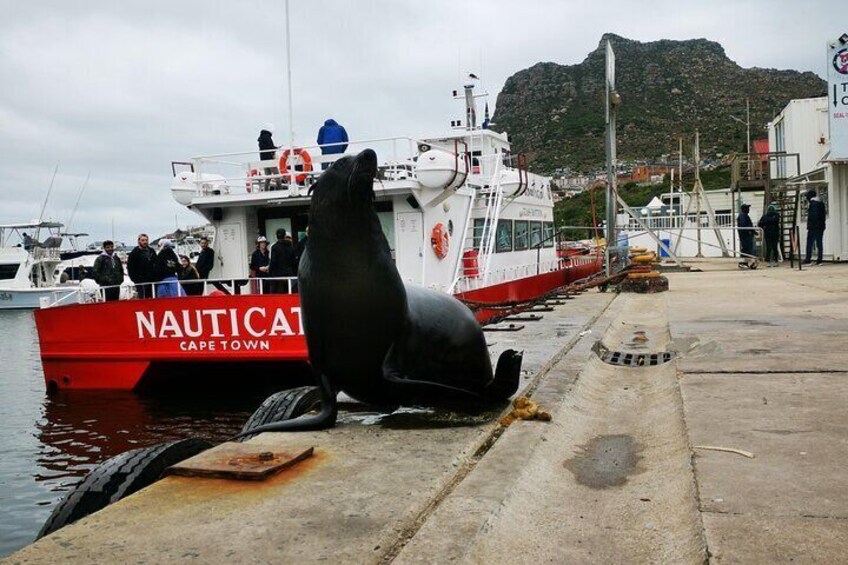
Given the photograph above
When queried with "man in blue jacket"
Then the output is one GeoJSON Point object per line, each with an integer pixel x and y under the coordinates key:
{"type": "Point", "coordinates": [332, 132]}
{"type": "Point", "coordinates": [815, 226]}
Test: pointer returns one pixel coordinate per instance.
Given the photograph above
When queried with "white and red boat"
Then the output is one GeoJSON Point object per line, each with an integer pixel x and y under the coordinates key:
{"type": "Point", "coordinates": [460, 213]}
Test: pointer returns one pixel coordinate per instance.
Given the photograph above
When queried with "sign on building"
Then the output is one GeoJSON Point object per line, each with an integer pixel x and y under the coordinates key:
{"type": "Point", "coordinates": [837, 95]}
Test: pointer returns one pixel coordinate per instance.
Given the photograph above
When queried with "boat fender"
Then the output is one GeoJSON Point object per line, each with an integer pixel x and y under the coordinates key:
{"type": "Point", "coordinates": [440, 240]}
{"type": "Point", "coordinates": [305, 157]}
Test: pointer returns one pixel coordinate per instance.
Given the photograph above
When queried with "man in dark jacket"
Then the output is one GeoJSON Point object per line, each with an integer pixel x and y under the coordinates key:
{"type": "Point", "coordinates": [332, 132]}
{"type": "Point", "coordinates": [206, 259]}
{"type": "Point", "coordinates": [282, 262]}
{"type": "Point", "coordinates": [109, 272]}
{"type": "Point", "coordinates": [267, 152]}
{"type": "Point", "coordinates": [770, 222]}
{"type": "Point", "coordinates": [746, 238]}
{"type": "Point", "coordinates": [141, 266]}
{"type": "Point", "coordinates": [815, 226]}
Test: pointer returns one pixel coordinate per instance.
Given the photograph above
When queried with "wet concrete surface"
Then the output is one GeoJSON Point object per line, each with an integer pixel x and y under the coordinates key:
{"type": "Point", "coordinates": [606, 461]}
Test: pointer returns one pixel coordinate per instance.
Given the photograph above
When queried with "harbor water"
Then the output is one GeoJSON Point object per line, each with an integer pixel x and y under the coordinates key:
{"type": "Point", "coordinates": [49, 443]}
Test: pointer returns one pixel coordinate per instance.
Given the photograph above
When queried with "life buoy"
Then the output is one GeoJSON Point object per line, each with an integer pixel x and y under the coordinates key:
{"type": "Point", "coordinates": [248, 183]}
{"type": "Point", "coordinates": [305, 157]}
{"type": "Point", "coordinates": [440, 240]}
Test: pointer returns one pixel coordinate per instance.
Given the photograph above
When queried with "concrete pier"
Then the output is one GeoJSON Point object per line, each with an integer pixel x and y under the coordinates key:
{"type": "Point", "coordinates": [627, 471]}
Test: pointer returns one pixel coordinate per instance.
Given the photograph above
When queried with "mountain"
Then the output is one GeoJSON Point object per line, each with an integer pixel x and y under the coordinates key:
{"type": "Point", "coordinates": [555, 113]}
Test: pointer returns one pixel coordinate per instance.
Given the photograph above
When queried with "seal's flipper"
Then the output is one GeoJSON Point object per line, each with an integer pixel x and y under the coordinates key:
{"type": "Point", "coordinates": [507, 375]}
{"type": "Point", "coordinates": [417, 387]}
{"type": "Point", "coordinates": [326, 418]}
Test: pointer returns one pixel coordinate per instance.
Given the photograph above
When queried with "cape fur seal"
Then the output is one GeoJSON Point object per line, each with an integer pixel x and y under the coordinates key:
{"type": "Point", "coordinates": [368, 334]}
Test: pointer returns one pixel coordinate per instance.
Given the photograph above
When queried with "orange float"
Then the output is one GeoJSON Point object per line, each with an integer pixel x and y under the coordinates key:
{"type": "Point", "coordinates": [305, 157]}
{"type": "Point", "coordinates": [440, 240]}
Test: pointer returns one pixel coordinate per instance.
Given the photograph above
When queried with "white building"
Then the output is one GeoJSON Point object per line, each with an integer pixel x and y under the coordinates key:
{"type": "Point", "coordinates": [802, 127]}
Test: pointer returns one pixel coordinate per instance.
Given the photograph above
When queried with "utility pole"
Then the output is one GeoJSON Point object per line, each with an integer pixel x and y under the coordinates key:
{"type": "Point", "coordinates": [747, 123]}
{"type": "Point", "coordinates": [612, 101]}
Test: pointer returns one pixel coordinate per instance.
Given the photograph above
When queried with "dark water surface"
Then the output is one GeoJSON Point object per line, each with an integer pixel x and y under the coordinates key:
{"type": "Point", "coordinates": [48, 443]}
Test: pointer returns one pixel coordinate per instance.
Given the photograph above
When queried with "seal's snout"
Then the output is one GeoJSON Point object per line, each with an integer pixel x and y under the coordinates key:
{"type": "Point", "coordinates": [366, 163]}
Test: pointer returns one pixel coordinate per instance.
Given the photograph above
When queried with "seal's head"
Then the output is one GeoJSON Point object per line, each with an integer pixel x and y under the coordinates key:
{"type": "Point", "coordinates": [342, 198]}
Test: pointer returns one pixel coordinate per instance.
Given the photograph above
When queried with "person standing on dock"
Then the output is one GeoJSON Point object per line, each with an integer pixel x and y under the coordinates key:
{"type": "Point", "coordinates": [770, 222]}
{"type": "Point", "coordinates": [206, 259]}
{"type": "Point", "coordinates": [109, 272]}
{"type": "Point", "coordinates": [746, 238]}
{"type": "Point", "coordinates": [816, 214]}
{"type": "Point", "coordinates": [332, 133]}
{"type": "Point", "coordinates": [141, 266]}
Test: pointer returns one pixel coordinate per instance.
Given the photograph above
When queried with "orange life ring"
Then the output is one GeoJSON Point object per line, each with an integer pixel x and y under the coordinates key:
{"type": "Point", "coordinates": [307, 164]}
{"type": "Point", "coordinates": [249, 181]}
{"type": "Point", "coordinates": [440, 240]}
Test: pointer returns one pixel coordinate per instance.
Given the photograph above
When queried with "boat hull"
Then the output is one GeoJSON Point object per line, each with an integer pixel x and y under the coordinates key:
{"type": "Point", "coordinates": [29, 299]}
{"type": "Point", "coordinates": [115, 345]}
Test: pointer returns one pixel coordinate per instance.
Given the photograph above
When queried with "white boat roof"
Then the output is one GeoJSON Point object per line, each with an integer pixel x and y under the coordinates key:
{"type": "Point", "coordinates": [33, 225]}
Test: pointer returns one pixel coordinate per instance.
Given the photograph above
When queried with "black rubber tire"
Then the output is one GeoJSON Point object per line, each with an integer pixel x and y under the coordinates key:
{"type": "Point", "coordinates": [120, 477]}
{"type": "Point", "coordinates": [283, 405]}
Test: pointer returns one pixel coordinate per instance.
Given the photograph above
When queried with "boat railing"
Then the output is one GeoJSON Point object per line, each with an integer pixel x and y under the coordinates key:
{"type": "Point", "coordinates": [87, 294]}
{"type": "Point", "coordinates": [243, 172]}
{"type": "Point", "coordinates": [498, 275]}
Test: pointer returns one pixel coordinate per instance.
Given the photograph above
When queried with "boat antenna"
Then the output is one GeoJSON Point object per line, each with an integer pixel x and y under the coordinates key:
{"type": "Point", "coordinates": [79, 197]}
{"type": "Point", "coordinates": [49, 190]}
{"type": "Point", "coordinates": [288, 72]}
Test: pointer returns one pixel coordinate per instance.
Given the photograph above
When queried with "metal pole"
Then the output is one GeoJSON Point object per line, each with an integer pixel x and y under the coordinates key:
{"type": "Point", "coordinates": [288, 72]}
{"type": "Point", "coordinates": [610, 150]}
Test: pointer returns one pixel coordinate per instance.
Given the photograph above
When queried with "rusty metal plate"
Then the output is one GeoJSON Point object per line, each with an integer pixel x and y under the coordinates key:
{"type": "Point", "coordinates": [240, 461]}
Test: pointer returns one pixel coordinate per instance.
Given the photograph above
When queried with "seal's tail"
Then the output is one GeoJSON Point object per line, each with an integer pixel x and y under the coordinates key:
{"type": "Point", "coordinates": [507, 374]}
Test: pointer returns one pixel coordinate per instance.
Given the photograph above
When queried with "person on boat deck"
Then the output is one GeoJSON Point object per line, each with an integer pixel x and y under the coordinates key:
{"type": "Point", "coordinates": [188, 273]}
{"type": "Point", "coordinates": [167, 267]}
{"type": "Point", "coordinates": [770, 222]}
{"type": "Point", "coordinates": [260, 261]}
{"type": "Point", "coordinates": [746, 238]}
{"type": "Point", "coordinates": [27, 240]}
{"type": "Point", "coordinates": [332, 132]}
{"type": "Point", "coordinates": [816, 218]}
{"type": "Point", "coordinates": [109, 272]}
{"type": "Point", "coordinates": [267, 152]}
{"type": "Point", "coordinates": [206, 259]}
{"type": "Point", "coordinates": [282, 262]}
{"type": "Point", "coordinates": [141, 266]}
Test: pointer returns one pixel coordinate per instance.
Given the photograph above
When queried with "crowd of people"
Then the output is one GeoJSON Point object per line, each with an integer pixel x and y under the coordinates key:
{"type": "Point", "coordinates": [166, 274]}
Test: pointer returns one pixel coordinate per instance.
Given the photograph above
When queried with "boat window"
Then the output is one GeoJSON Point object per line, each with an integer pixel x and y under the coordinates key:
{"type": "Point", "coordinates": [8, 271]}
{"type": "Point", "coordinates": [548, 234]}
{"type": "Point", "coordinates": [535, 234]}
{"type": "Point", "coordinates": [503, 236]}
{"type": "Point", "coordinates": [479, 224]}
{"type": "Point", "coordinates": [522, 229]}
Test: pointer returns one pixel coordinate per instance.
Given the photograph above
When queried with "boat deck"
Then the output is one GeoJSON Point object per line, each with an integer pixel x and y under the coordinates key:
{"type": "Point", "coordinates": [621, 474]}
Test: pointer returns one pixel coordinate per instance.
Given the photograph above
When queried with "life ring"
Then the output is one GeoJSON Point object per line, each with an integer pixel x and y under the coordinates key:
{"type": "Point", "coordinates": [248, 183]}
{"type": "Point", "coordinates": [440, 240]}
{"type": "Point", "coordinates": [305, 157]}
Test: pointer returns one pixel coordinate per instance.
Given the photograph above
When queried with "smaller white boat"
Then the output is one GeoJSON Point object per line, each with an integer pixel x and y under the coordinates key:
{"type": "Point", "coordinates": [28, 264]}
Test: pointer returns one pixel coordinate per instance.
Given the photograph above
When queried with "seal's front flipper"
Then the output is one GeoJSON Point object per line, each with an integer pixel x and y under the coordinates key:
{"type": "Point", "coordinates": [507, 375]}
{"type": "Point", "coordinates": [326, 418]}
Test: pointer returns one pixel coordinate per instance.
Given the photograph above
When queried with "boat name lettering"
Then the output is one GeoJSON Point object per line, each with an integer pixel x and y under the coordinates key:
{"type": "Point", "coordinates": [5, 295]}
{"type": "Point", "coordinates": [226, 345]}
{"type": "Point", "coordinates": [530, 213]}
{"type": "Point", "coordinates": [255, 322]}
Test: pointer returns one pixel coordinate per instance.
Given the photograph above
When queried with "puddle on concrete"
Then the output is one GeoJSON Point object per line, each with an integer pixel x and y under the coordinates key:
{"type": "Point", "coordinates": [606, 461]}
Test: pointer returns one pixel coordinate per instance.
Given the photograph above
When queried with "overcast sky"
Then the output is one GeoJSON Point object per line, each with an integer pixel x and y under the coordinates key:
{"type": "Point", "coordinates": [122, 88]}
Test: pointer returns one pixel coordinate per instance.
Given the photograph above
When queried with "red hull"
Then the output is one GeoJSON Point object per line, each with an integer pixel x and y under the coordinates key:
{"type": "Point", "coordinates": [113, 345]}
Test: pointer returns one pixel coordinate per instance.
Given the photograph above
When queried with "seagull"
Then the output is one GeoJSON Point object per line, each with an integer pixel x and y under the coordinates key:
{"type": "Point", "coordinates": [472, 75]}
